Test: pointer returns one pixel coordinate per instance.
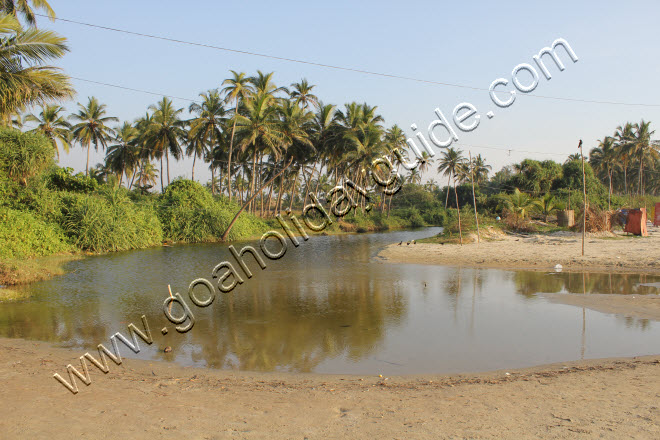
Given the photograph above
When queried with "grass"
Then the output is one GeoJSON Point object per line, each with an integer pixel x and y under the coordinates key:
{"type": "Point", "coordinates": [14, 272]}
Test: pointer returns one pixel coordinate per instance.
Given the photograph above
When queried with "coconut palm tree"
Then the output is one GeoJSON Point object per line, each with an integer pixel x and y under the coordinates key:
{"type": "Point", "coordinates": [643, 149]}
{"type": "Point", "coordinates": [166, 131]}
{"type": "Point", "coordinates": [520, 204]}
{"type": "Point", "coordinates": [147, 177]}
{"type": "Point", "coordinates": [449, 164]}
{"type": "Point", "coordinates": [237, 89]}
{"type": "Point", "coordinates": [302, 94]}
{"type": "Point", "coordinates": [546, 205]}
{"type": "Point", "coordinates": [480, 169]}
{"type": "Point", "coordinates": [25, 80]}
{"type": "Point", "coordinates": [91, 127]}
{"type": "Point", "coordinates": [623, 137]}
{"type": "Point", "coordinates": [54, 126]}
{"type": "Point", "coordinates": [604, 160]}
{"type": "Point", "coordinates": [258, 129]}
{"type": "Point", "coordinates": [123, 156]}
{"type": "Point", "coordinates": [206, 129]}
{"type": "Point", "coordinates": [22, 7]}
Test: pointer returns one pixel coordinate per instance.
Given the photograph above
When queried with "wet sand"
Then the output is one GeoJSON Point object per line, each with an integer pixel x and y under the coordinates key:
{"type": "Point", "coordinates": [634, 306]}
{"type": "Point", "coordinates": [140, 399]}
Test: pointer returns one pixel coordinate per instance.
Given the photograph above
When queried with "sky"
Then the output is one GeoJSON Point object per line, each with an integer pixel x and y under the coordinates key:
{"type": "Point", "coordinates": [469, 44]}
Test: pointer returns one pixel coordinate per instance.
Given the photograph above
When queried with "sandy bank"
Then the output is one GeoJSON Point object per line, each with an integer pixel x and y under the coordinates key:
{"type": "Point", "coordinates": [636, 306]}
{"type": "Point", "coordinates": [624, 254]}
{"type": "Point", "coordinates": [140, 399]}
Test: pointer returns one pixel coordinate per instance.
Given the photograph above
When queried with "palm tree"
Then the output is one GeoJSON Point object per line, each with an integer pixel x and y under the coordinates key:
{"type": "Point", "coordinates": [302, 94]}
{"type": "Point", "coordinates": [449, 165]}
{"type": "Point", "coordinates": [425, 163]}
{"type": "Point", "coordinates": [147, 176]}
{"type": "Point", "coordinates": [206, 129]}
{"type": "Point", "coordinates": [122, 157]}
{"type": "Point", "coordinates": [573, 157]}
{"type": "Point", "coordinates": [643, 148]}
{"type": "Point", "coordinates": [237, 89]}
{"type": "Point", "coordinates": [520, 204]}
{"type": "Point", "coordinates": [92, 128]}
{"type": "Point", "coordinates": [166, 131]}
{"type": "Point", "coordinates": [546, 205]}
{"type": "Point", "coordinates": [14, 7]}
{"type": "Point", "coordinates": [623, 136]}
{"type": "Point", "coordinates": [24, 79]}
{"type": "Point", "coordinates": [258, 129]}
{"type": "Point", "coordinates": [604, 160]}
{"type": "Point", "coordinates": [54, 126]}
{"type": "Point", "coordinates": [480, 169]}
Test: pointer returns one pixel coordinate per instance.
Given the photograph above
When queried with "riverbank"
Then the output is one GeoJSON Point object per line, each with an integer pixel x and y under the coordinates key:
{"type": "Point", "coordinates": [540, 252]}
{"type": "Point", "coordinates": [615, 398]}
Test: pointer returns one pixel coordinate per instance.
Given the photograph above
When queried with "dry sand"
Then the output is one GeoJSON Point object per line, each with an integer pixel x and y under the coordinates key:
{"type": "Point", "coordinates": [615, 253]}
{"type": "Point", "coordinates": [609, 399]}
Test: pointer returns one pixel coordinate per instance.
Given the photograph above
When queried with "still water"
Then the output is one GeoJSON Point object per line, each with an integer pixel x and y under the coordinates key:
{"type": "Point", "coordinates": [331, 306]}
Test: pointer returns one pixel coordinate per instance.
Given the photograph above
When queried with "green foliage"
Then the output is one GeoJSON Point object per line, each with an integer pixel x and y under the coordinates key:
{"type": "Point", "coordinates": [22, 235]}
{"type": "Point", "coordinates": [189, 213]}
{"type": "Point", "coordinates": [24, 155]}
{"type": "Point", "coordinates": [63, 179]}
{"type": "Point", "coordinates": [109, 221]}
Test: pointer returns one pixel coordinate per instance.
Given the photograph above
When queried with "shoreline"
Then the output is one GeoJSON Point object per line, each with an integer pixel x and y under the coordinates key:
{"type": "Point", "coordinates": [145, 399]}
{"type": "Point", "coordinates": [539, 252]}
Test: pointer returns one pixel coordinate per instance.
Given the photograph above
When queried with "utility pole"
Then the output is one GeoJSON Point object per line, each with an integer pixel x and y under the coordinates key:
{"type": "Point", "coordinates": [584, 188]}
{"type": "Point", "coordinates": [474, 199]}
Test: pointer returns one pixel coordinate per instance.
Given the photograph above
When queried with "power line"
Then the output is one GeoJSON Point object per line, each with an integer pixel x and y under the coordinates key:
{"type": "Point", "coordinates": [132, 89]}
{"type": "Point", "coordinates": [330, 66]}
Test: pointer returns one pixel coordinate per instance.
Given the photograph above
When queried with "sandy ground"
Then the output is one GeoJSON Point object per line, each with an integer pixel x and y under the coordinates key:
{"type": "Point", "coordinates": [609, 399]}
{"type": "Point", "coordinates": [635, 306]}
{"type": "Point", "coordinates": [627, 254]}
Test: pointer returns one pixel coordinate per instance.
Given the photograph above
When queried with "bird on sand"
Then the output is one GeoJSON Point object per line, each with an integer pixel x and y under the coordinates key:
{"type": "Point", "coordinates": [400, 243]}
{"type": "Point", "coordinates": [408, 243]}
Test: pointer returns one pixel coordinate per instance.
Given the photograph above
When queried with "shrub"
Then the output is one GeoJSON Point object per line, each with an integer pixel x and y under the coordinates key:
{"type": "Point", "coordinates": [23, 236]}
{"type": "Point", "coordinates": [63, 179]}
{"type": "Point", "coordinates": [24, 155]}
{"type": "Point", "coordinates": [109, 221]}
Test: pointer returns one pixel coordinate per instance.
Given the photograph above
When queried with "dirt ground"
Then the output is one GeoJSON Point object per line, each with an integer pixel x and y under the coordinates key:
{"type": "Point", "coordinates": [613, 253]}
{"type": "Point", "coordinates": [610, 399]}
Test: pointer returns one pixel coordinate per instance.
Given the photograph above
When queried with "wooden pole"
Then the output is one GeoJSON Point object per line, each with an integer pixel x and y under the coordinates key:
{"type": "Point", "coordinates": [584, 188]}
{"type": "Point", "coordinates": [474, 199]}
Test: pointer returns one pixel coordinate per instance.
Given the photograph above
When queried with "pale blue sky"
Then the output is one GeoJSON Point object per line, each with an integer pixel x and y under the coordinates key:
{"type": "Point", "coordinates": [472, 44]}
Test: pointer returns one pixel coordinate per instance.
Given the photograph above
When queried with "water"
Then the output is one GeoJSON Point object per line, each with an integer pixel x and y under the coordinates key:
{"type": "Point", "coordinates": [329, 306]}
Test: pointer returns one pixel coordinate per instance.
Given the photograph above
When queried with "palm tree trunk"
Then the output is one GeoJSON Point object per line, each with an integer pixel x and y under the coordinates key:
{"type": "Point", "coordinates": [231, 224]}
{"type": "Point", "coordinates": [193, 167]}
{"type": "Point", "coordinates": [87, 166]}
{"type": "Point", "coordinates": [167, 159]}
{"type": "Point", "coordinates": [231, 147]}
{"type": "Point", "coordinates": [130, 185]}
{"type": "Point", "coordinates": [448, 187]}
{"type": "Point", "coordinates": [278, 207]}
{"type": "Point", "coordinates": [458, 211]}
{"type": "Point", "coordinates": [212, 179]}
{"type": "Point", "coordinates": [270, 197]}
{"type": "Point", "coordinates": [254, 176]}
{"type": "Point", "coordinates": [609, 196]}
{"type": "Point", "coordinates": [293, 190]}
{"type": "Point", "coordinates": [162, 189]}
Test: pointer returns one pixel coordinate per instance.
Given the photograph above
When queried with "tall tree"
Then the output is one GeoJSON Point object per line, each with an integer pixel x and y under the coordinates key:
{"type": "Point", "coordinates": [91, 128]}
{"type": "Point", "coordinates": [206, 129]}
{"type": "Point", "coordinates": [449, 164]}
{"type": "Point", "coordinates": [301, 93]}
{"type": "Point", "coordinates": [123, 156]}
{"type": "Point", "coordinates": [167, 131]}
{"type": "Point", "coordinates": [54, 126]}
{"type": "Point", "coordinates": [25, 80]}
{"type": "Point", "coordinates": [237, 89]}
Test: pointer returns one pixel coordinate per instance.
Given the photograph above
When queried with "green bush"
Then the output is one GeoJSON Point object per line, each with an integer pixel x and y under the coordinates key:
{"type": "Point", "coordinates": [189, 213]}
{"type": "Point", "coordinates": [22, 235]}
{"type": "Point", "coordinates": [109, 221]}
{"type": "Point", "coordinates": [24, 155]}
{"type": "Point", "coordinates": [63, 179]}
